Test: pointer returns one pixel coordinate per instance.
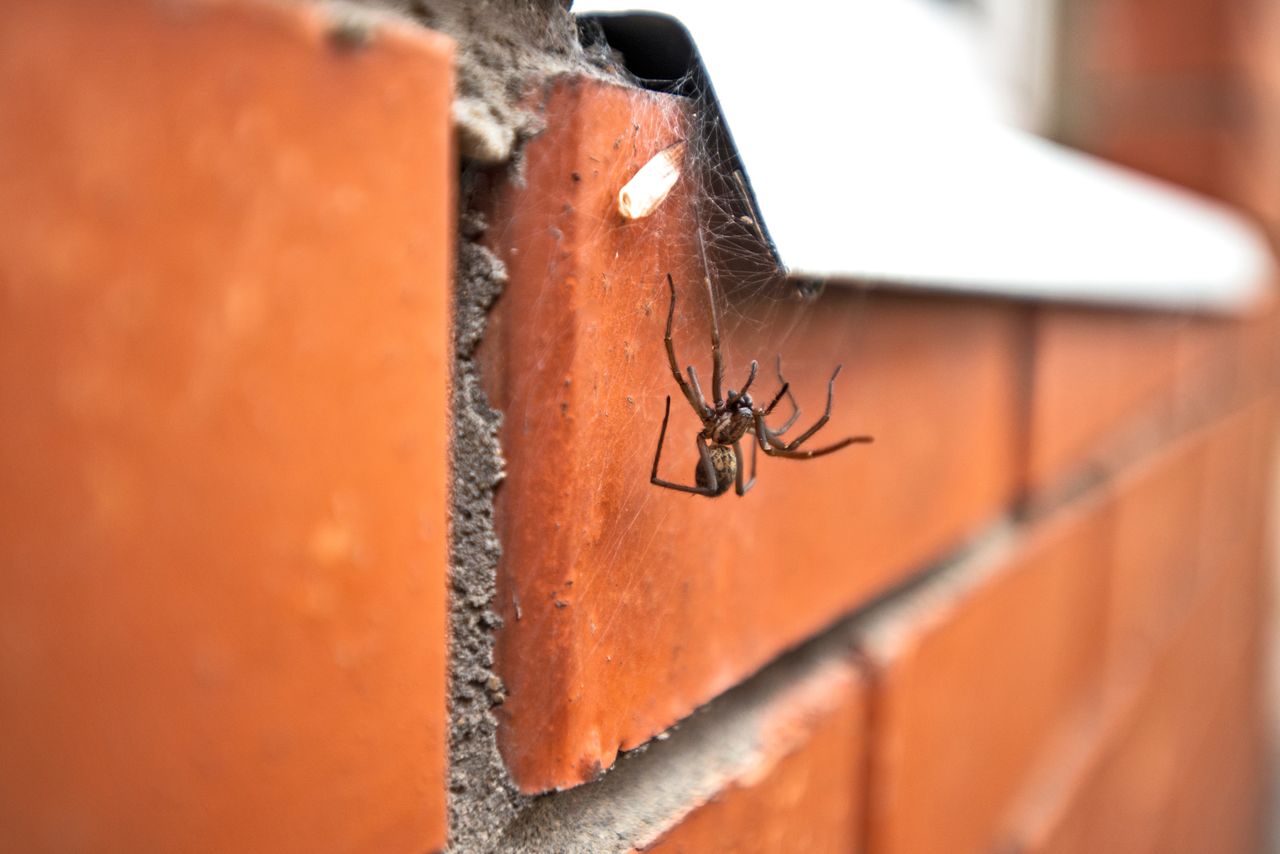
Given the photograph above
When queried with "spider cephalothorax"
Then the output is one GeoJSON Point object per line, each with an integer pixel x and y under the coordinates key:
{"type": "Point", "coordinates": [726, 420]}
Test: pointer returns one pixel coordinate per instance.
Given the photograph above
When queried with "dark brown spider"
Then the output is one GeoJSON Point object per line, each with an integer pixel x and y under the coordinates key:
{"type": "Point", "coordinates": [731, 418]}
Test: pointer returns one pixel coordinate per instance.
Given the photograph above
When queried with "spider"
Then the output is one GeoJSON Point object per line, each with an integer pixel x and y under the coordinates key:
{"type": "Point", "coordinates": [724, 424]}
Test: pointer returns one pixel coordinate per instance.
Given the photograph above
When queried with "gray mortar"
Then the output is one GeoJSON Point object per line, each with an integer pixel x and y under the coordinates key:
{"type": "Point", "coordinates": [482, 799]}
{"type": "Point", "coordinates": [505, 50]}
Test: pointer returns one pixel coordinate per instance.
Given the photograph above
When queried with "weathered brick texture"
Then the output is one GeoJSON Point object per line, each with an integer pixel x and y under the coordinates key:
{"type": "Point", "coordinates": [224, 256]}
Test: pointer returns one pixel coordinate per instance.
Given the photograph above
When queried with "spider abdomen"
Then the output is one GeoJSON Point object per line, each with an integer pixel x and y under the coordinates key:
{"type": "Point", "coordinates": [726, 466]}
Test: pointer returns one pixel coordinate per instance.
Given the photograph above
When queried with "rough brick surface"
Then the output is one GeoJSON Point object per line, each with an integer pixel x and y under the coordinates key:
{"type": "Point", "coordinates": [626, 605]}
{"type": "Point", "coordinates": [971, 686]}
{"type": "Point", "coordinates": [224, 249]}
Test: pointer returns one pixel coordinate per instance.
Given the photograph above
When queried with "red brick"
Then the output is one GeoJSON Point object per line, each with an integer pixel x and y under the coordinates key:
{"type": "Point", "coordinates": [1154, 37]}
{"type": "Point", "coordinates": [1178, 765]}
{"type": "Point", "coordinates": [806, 792]}
{"type": "Point", "coordinates": [1226, 362]}
{"type": "Point", "coordinates": [969, 689]}
{"type": "Point", "coordinates": [1210, 367]}
{"type": "Point", "coordinates": [1238, 463]}
{"type": "Point", "coordinates": [625, 605]}
{"type": "Point", "coordinates": [1219, 798]}
{"type": "Point", "coordinates": [224, 248]}
{"type": "Point", "coordinates": [1256, 34]}
{"type": "Point", "coordinates": [1096, 373]}
{"type": "Point", "coordinates": [1260, 351]}
{"type": "Point", "coordinates": [1190, 514]}
{"type": "Point", "coordinates": [1157, 571]}
{"type": "Point", "coordinates": [1257, 168]}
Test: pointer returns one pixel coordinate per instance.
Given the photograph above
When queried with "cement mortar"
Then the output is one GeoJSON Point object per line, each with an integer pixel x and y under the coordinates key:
{"type": "Point", "coordinates": [482, 799]}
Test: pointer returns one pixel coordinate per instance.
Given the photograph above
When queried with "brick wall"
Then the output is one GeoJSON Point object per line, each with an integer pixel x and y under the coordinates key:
{"type": "Point", "coordinates": [1030, 617]}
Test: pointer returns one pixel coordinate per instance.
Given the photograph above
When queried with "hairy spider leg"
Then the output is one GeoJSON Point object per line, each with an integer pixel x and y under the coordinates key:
{"type": "Point", "coordinates": [717, 360]}
{"type": "Point", "coordinates": [735, 396]}
{"type": "Point", "coordinates": [820, 452]}
{"type": "Point", "coordinates": [698, 402]}
{"type": "Point", "coordinates": [790, 450]}
{"type": "Point", "coordinates": [693, 379]}
{"type": "Point", "coordinates": [817, 425]}
{"type": "Point", "coordinates": [786, 389]}
{"type": "Point", "coordinates": [708, 468]}
{"type": "Point", "coordinates": [741, 488]}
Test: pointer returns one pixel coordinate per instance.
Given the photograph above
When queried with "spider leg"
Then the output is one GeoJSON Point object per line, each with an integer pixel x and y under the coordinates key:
{"type": "Point", "coordinates": [698, 402]}
{"type": "Point", "coordinates": [733, 396]}
{"type": "Point", "coordinates": [693, 380]}
{"type": "Point", "coordinates": [742, 488]}
{"type": "Point", "coordinates": [717, 360]}
{"type": "Point", "coordinates": [817, 425]}
{"type": "Point", "coordinates": [775, 446]}
{"type": "Point", "coordinates": [707, 465]}
{"type": "Point", "coordinates": [820, 452]}
{"type": "Point", "coordinates": [786, 389]}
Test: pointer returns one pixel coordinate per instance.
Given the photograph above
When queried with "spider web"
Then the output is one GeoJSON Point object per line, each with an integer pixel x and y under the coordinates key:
{"type": "Point", "coordinates": [754, 299]}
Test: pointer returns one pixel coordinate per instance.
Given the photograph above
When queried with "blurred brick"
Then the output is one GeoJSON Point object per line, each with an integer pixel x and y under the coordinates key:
{"type": "Point", "coordinates": [807, 791]}
{"type": "Point", "coordinates": [1257, 170]}
{"type": "Point", "coordinates": [1210, 373]}
{"type": "Point", "coordinates": [1260, 351]}
{"type": "Point", "coordinates": [1157, 567]}
{"type": "Point", "coordinates": [1183, 518]}
{"type": "Point", "coordinates": [1255, 37]}
{"type": "Point", "coordinates": [1238, 464]}
{"type": "Point", "coordinates": [224, 249]}
{"type": "Point", "coordinates": [1178, 766]}
{"type": "Point", "coordinates": [1218, 799]}
{"type": "Point", "coordinates": [1096, 374]}
{"type": "Point", "coordinates": [625, 605]}
{"type": "Point", "coordinates": [1153, 36]}
{"type": "Point", "coordinates": [970, 688]}
{"type": "Point", "coordinates": [1194, 158]}
{"type": "Point", "coordinates": [1228, 362]}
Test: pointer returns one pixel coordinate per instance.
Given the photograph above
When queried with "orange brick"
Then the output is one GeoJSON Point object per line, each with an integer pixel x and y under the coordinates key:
{"type": "Point", "coordinates": [1096, 373]}
{"type": "Point", "coordinates": [224, 248]}
{"type": "Point", "coordinates": [1145, 139]}
{"type": "Point", "coordinates": [806, 792]}
{"type": "Point", "coordinates": [1151, 37]}
{"type": "Point", "coordinates": [1219, 797]}
{"type": "Point", "coordinates": [1178, 765]}
{"type": "Point", "coordinates": [1209, 367]}
{"type": "Point", "coordinates": [1157, 571]}
{"type": "Point", "coordinates": [1260, 351]}
{"type": "Point", "coordinates": [1190, 514]}
{"type": "Point", "coordinates": [1227, 362]}
{"type": "Point", "coordinates": [625, 605]}
{"type": "Point", "coordinates": [970, 688]}
{"type": "Point", "coordinates": [1237, 481]}
{"type": "Point", "coordinates": [1256, 34]}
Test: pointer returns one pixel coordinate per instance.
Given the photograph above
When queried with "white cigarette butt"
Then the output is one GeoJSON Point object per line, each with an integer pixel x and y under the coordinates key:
{"type": "Point", "coordinates": [647, 189]}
